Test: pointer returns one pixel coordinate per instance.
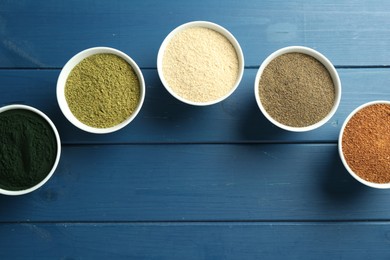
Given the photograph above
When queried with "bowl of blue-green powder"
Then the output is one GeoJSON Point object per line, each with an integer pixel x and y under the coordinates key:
{"type": "Point", "coordinates": [30, 149]}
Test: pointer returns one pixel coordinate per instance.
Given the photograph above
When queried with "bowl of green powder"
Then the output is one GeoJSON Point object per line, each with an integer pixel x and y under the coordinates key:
{"type": "Point", "coordinates": [200, 63]}
{"type": "Point", "coordinates": [297, 89]}
{"type": "Point", "coordinates": [30, 149]}
{"type": "Point", "coordinates": [100, 90]}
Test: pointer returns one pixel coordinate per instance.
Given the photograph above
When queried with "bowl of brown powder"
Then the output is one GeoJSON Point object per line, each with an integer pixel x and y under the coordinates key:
{"type": "Point", "coordinates": [364, 144]}
{"type": "Point", "coordinates": [100, 90]}
{"type": "Point", "coordinates": [297, 89]}
{"type": "Point", "coordinates": [200, 63]}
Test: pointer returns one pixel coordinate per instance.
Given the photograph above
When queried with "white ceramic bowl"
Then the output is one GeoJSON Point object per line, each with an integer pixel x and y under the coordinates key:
{"type": "Point", "coordinates": [41, 114]}
{"type": "Point", "coordinates": [340, 146]}
{"type": "Point", "coordinates": [61, 82]}
{"type": "Point", "coordinates": [318, 56]}
{"type": "Point", "coordinates": [216, 28]}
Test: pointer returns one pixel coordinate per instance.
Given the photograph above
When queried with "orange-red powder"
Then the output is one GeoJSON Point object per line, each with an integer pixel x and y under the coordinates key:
{"type": "Point", "coordinates": [366, 143]}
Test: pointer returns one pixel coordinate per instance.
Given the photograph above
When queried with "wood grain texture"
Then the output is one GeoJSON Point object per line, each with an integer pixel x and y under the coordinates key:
{"type": "Point", "coordinates": [199, 182]}
{"type": "Point", "coordinates": [163, 119]}
{"type": "Point", "coordinates": [184, 182]}
{"type": "Point", "coordinates": [353, 33]}
{"type": "Point", "coordinates": [196, 241]}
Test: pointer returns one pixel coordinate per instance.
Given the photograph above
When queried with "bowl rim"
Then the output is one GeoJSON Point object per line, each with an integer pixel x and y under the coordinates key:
{"type": "Point", "coordinates": [340, 146]}
{"type": "Point", "coordinates": [58, 155]}
{"type": "Point", "coordinates": [68, 67]}
{"type": "Point", "coordinates": [319, 57]}
{"type": "Point", "coordinates": [213, 26]}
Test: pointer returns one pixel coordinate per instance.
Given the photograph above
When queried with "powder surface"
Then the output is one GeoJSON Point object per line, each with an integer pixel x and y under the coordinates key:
{"type": "Point", "coordinates": [102, 91]}
{"type": "Point", "coordinates": [366, 143]}
{"type": "Point", "coordinates": [28, 149]}
{"type": "Point", "coordinates": [296, 90]}
{"type": "Point", "coordinates": [200, 65]}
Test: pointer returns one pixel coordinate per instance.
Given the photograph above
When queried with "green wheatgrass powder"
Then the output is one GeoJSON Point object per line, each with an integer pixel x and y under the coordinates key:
{"type": "Point", "coordinates": [28, 149]}
{"type": "Point", "coordinates": [102, 91]}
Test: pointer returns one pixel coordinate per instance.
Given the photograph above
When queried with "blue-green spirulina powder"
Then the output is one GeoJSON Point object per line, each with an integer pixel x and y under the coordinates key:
{"type": "Point", "coordinates": [28, 149]}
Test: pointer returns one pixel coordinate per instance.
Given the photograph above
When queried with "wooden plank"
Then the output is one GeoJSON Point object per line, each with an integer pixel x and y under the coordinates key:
{"type": "Point", "coordinates": [185, 182]}
{"type": "Point", "coordinates": [164, 119]}
{"type": "Point", "coordinates": [196, 241]}
{"type": "Point", "coordinates": [199, 182]}
{"type": "Point", "coordinates": [45, 34]}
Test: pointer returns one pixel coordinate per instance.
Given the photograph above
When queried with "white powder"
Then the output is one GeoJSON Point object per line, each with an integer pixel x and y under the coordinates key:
{"type": "Point", "coordinates": [200, 64]}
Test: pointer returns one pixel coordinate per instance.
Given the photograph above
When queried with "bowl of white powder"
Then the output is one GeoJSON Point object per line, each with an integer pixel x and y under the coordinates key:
{"type": "Point", "coordinates": [200, 63]}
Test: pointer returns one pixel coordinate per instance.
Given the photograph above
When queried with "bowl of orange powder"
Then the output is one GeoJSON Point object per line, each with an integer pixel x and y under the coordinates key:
{"type": "Point", "coordinates": [364, 144]}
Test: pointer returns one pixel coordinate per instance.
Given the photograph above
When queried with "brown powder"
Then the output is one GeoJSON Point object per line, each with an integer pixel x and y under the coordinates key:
{"type": "Point", "coordinates": [296, 90]}
{"type": "Point", "coordinates": [200, 65]}
{"type": "Point", "coordinates": [366, 143]}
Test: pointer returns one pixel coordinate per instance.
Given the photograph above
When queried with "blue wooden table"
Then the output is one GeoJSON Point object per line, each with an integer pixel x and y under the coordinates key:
{"type": "Point", "coordinates": [184, 182]}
